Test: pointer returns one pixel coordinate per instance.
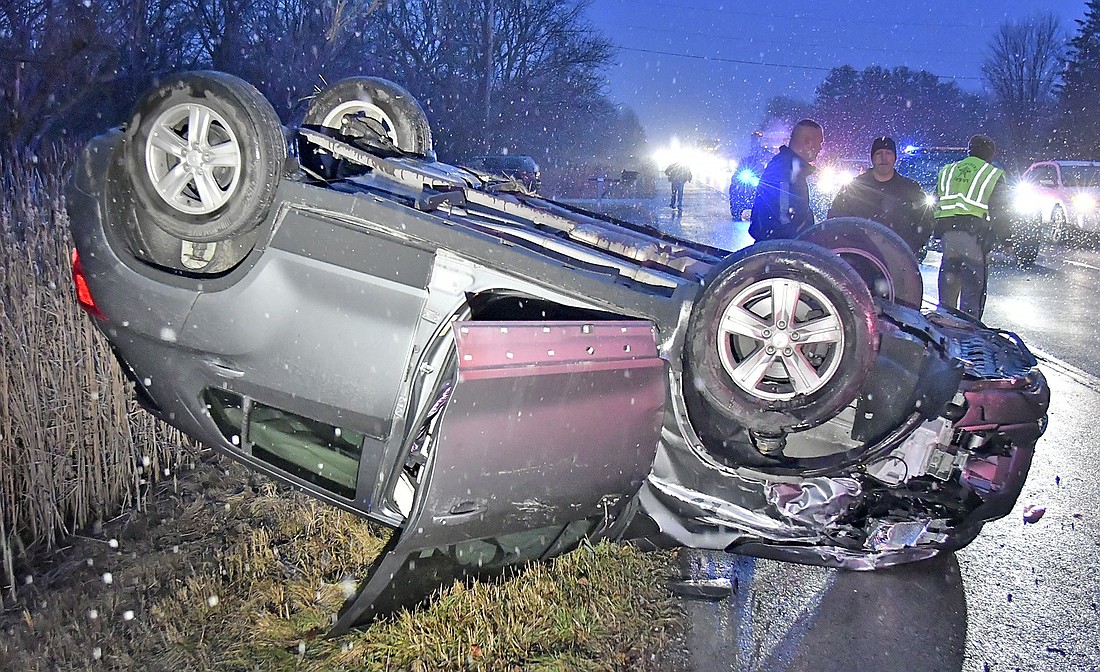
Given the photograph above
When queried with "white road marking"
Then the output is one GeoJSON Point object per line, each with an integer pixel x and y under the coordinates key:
{"type": "Point", "coordinates": [1084, 377]}
{"type": "Point", "coordinates": [1082, 264]}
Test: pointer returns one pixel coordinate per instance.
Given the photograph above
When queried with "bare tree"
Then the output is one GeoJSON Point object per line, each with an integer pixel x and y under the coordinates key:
{"type": "Point", "coordinates": [537, 91]}
{"type": "Point", "coordinates": [309, 43]}
{"type": "Point", "coordinates": [1021, 70]}
{"type": "Point", "coordinates": [70, 66]}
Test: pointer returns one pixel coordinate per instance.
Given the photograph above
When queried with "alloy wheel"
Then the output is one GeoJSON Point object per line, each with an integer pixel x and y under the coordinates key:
{"type": "Point", "coordinates": [193, 159]}
{"type": "Point", "coordinates": [779, 338]}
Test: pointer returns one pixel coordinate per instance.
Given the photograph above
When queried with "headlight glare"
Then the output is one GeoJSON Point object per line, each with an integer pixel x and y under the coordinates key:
{"type": "Point", "coordinates": [1084, 202]}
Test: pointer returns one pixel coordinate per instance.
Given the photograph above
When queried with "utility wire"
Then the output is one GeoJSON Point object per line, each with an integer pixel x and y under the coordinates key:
{"type": "Point", "coordinates": [783, 18]}
{"type": "Point", "coordinates": [788, 66]}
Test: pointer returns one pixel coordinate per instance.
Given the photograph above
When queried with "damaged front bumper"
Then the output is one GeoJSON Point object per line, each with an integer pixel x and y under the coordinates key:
{"type": "Point", "coordinates": [931, 493]}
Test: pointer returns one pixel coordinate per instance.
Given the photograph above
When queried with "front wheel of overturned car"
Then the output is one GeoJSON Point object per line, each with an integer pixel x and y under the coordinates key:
{"type": "Point", "coordinates": [781, 340]}
{"type": "Point", "coordinates": [381, 112]}
{"type": "Point", "coordinates": [881, 257]}
{"type": "Point", "coordinates": [204, 152]}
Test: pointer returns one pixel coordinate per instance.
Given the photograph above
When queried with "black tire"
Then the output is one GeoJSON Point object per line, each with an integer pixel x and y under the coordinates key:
{"type": "Point", "coordinates": [881, 257]}
{"type": "Point", "coordinates": [392, 111]}
{"type": "Point", "coordinates": [1059, 226]}
{"type": "Point", "coordinates": [830, 294]}
{"type": "Point", "coordinates": [215, 180]}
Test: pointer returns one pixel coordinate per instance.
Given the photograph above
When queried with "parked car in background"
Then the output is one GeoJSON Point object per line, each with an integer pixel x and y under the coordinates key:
{"type": "Point", "coordinates": [498, 376]}
{"type": "Point", "coordinates": [743, 184]}
{"type": "Point", "coordinates": [519, 167]}
{"type": "Point", "coordinates": [922, 164]}
{"type": "Point", "coordinates": [1062, 197]}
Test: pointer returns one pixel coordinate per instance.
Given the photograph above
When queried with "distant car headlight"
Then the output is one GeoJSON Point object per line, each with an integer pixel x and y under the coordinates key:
{"type": "Point", "coordinates": [831, 180]}
{"type": "Point", "coordinates": [746, 176]}
{"type": "Point", "coordinates": [1084, 202]}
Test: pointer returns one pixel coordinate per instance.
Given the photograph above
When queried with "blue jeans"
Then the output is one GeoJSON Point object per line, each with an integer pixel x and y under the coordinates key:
{"type": "Point", "coordinates": [677, 200]}
{"type": "Point", "coordinates": [963, 273]}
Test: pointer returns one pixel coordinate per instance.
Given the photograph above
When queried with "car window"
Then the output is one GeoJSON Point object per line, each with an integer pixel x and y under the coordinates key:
{"type": "Point", "coordinates": [314, 451]}
{"type": "Point", "coordinates": [1044, 175]}
{"type": "Point", "coordinates": [1080, 176]}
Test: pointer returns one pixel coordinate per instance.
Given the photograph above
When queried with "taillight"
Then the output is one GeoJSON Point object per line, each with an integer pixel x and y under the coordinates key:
{"type": "Point", "coordinates": [83, 294]}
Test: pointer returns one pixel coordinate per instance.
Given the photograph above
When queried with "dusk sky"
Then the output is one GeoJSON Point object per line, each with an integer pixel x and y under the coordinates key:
{"type": "Point", "coordinates": [694, 68]}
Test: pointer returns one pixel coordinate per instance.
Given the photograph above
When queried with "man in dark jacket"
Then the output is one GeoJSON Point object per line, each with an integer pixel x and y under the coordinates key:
{"type": "Point", "coordinates": [886, 196]}
{"type": "Point", "coordinates": [678, 174]}
{"type": "Point", "coordinates": [781, 207]}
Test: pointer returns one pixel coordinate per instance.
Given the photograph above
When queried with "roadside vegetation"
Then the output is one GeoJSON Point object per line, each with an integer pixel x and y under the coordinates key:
{"type": "Point", "coordinates": [124, 547]}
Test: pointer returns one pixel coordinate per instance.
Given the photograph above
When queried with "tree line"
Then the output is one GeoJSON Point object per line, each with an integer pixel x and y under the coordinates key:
{"type": "Point", "coordinates": [493, 75]}
{"type": "Point", "coordinates": [1041, 97]}
{"type": "Point", "coordinates": [522, 76]}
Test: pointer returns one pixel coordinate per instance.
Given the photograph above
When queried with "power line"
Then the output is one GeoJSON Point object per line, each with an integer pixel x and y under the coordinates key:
{"type": "Point", "coordinates": [751, 40]}
{"type": "Point", "coordinates": [788, 66]}
{"type": "Point", "coordinates": [802, 17]}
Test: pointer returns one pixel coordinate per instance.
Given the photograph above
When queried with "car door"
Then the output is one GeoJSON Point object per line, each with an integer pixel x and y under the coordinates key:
{"type": "Point", "coordinates": [544, 439]}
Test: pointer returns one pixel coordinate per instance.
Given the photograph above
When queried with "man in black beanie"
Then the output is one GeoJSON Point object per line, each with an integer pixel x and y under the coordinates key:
{"type": "Point", "coordinates": [886, 196]}
{"type": "Point", "coordinates": [972, 215]}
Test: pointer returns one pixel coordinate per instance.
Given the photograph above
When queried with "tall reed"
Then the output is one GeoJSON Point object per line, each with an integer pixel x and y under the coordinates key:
{"type": "Point", "coordinates": [74, 448]}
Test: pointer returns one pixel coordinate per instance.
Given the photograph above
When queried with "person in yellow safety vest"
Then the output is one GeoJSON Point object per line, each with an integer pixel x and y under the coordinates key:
{"type": "Point", "coordinates": [972, 215]}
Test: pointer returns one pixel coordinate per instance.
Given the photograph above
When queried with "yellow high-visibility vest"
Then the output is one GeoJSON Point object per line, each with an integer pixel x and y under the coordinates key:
{"type": "Point", "coordinates": [964, 188]}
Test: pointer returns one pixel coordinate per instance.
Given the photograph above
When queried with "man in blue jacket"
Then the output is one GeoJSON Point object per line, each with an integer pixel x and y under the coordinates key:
{"type": "Point", "coordinates": [781, 208]}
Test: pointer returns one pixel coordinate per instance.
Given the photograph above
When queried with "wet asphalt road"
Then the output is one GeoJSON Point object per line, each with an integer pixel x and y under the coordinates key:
{"type": "Point", "coordinates": [1020, 597]}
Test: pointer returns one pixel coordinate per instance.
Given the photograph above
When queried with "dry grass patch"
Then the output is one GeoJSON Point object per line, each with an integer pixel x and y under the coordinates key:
{"type": "Point", "coordinates": [74, 447]}
{"type": "Point", "coordinates": [229, 572]}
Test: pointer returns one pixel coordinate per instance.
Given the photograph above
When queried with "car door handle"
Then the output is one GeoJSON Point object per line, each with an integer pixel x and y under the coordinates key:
{"type": "Point", "coordinates": [223, 369]}
{"type": "Point", "coordinates": [461, 511]}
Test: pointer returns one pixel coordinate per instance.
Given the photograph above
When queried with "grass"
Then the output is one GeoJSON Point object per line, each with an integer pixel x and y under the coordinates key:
{"type": "Point", "coordinates": [75, 448]}
{"type": "Point", "coordinates": [227, 571]}
{"type": "Point", "coordinates": [125, 548]}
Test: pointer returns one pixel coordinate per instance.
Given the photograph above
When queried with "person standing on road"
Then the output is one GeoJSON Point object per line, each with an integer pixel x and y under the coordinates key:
{"type": "Point", "coordinates": [888, 197]}
{"type": "Point", "coordinates": [781, 207]}
{"type": "Point", "coordinates": [972, 213]}
{"type": "Point", "coordinates": [678, 175]}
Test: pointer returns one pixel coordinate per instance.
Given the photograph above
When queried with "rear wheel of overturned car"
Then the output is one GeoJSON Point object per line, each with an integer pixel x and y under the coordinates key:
{"type": "Point", "coordinates": [376, 109]}
{"type": "Point", "coordinates": [881, 257]}
{"type": "Point", "coordinates": [204, 153]}
{"type": "Point", "coordinates": [782, 339]}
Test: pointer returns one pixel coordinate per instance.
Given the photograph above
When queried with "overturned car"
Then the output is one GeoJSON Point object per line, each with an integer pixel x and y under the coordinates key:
{"type": "Point", "coordinates": [499, 376]}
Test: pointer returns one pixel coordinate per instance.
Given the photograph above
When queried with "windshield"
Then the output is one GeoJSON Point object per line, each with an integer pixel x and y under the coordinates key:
{"type": "Point", "coordinates": [1081, 176]}
{"type": "Point", "coordinates": [924, 165]}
